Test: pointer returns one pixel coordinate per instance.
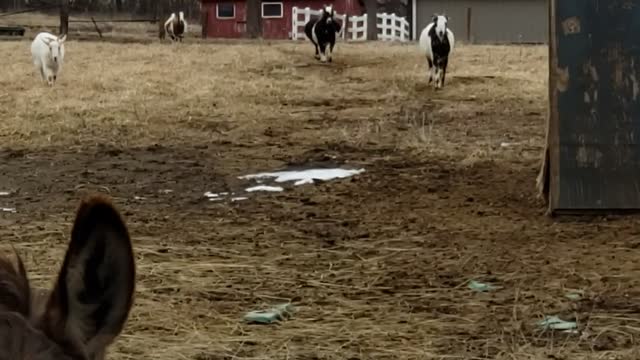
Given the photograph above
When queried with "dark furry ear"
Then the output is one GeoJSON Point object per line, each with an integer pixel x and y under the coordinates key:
{"type": "Point", "coordinates": [15, 293]}
{"type": "Point", "coordinates": [94, 291]}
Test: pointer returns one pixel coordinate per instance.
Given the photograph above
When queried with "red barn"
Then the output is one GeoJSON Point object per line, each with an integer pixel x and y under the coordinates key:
{"type": "Point", "coordinates": [228, 18]}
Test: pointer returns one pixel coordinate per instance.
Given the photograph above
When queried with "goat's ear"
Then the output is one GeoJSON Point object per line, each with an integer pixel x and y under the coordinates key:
{"type": "Point", "coordinates": [62, 39]}
{"type": "Point", "coordinates": [94, 291]}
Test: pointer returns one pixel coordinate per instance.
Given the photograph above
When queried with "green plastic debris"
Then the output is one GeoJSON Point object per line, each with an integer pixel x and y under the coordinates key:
{"type": "Point", "coordinates": [480, 287]}
{"type": "Point", "coordinates": [277, 313]}
{"type": "Point", "coordinates": [555, 323]}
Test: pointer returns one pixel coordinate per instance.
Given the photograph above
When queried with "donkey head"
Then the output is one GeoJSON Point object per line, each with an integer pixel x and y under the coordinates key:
{"type": "Point", "coordinates": [91, 299]}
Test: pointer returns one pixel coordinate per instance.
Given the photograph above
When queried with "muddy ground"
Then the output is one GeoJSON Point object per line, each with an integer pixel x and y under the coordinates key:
{"type": "Point", "coordinates": [377, 264]}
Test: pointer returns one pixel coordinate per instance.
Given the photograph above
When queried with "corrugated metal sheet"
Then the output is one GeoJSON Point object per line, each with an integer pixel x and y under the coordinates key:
{"type": "Point", "coordinates": [489, 21]}
{"type": "Point", "coordinates": [594, 123]}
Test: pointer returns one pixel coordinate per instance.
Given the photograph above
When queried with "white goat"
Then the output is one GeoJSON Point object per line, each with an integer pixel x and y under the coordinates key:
{"type": "Point", "coordinates": [47, 52]}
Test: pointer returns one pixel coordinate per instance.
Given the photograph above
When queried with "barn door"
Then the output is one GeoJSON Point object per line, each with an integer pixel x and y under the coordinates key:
{"type": "Point", "coordinates": [594, 120]}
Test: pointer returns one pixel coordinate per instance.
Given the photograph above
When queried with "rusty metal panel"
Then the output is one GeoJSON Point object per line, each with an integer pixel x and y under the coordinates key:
{"type": "Point", "coordinates": [594, 123]}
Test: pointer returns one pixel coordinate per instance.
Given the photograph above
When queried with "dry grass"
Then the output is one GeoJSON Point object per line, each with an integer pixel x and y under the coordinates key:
{"type": "Point", "coordinates": [377, 267]}
{"type": "Point", "coordinates": [148, 93]}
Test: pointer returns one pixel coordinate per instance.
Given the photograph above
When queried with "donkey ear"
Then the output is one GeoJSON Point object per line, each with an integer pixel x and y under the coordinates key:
{"type": "Point", "coordinates": [93, 295]}
{"type": "Point", "coordinates": [15, 293]}
{"type": "Point", "coordinates": [63, 38]}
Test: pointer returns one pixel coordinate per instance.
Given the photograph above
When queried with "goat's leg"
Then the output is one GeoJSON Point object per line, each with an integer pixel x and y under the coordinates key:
{"type": "Point", "coordinates": [323, 54]}
{"type": "Point", "coordinates": [330, 50]}
{"type": "Point", "coordinates": [437, 76]}
{"type": "Point", "coordinates": [444, 71]}
{"type": "Point", "coordinates": [430, 70]}
{"type": "Point", "coordinates": [48, 76]}
{"type": "Point", "coordinates": [317, 55]}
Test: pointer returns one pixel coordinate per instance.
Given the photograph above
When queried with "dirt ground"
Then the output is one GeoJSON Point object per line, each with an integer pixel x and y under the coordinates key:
{"type": "Point", "coordinates": [377, 265]}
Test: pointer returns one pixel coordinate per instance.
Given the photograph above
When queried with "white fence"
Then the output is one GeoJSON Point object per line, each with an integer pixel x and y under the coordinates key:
{"type": "Point", "coordinates": [390, 26]}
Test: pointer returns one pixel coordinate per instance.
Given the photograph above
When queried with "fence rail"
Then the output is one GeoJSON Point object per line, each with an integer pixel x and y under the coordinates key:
{"type": "Point", "coordinates": [354, 28]}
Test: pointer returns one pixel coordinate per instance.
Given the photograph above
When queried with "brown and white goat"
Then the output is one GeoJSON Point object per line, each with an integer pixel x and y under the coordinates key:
{"type": "Point", "coordinates": [90, 301]}
{"type": "Point", "coordinates": [176, 27]}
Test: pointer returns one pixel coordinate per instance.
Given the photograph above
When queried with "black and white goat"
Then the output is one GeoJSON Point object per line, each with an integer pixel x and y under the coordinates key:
{"type": "Point", "coordinates": [437, 41]}
{"type": "Point", "coordinates": [176, 27]}
{"type": "Point", "coordinates": [322, 33]}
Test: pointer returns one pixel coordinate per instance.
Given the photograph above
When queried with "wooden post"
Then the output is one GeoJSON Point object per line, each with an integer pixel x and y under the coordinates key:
{"type": "Point", "coordinates": [254, 23]}
{"type": "Point", "coordinates": [371, 7]}
{"type": "Point", "coordinates": [345, 27]}
{"type": "Point", "coordinates": [204, 16]}
{"type": "Point", "coordinates": [161, 32]}
{"type": "Point", "coordinates": [469, 25]}
{"type": "Point", "coordinates": [64, 16]}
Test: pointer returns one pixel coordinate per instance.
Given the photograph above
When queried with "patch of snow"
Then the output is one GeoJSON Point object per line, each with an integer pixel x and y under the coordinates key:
{"type": "Point", "coordinates": [510, 144]}
{"type": "Point", "coordinates": [305, 176]}
{"type": "Point", "coordinates": [5, 193]}
{"type": "Point", "coordinates": [265, 188]}
{"type": "Point", "coordinates": [209, 194]}
{"type": "Point", "coordinates": [240, 198]}
{"type": "Point", "coordinates": [10, 210]}
{"type": "Point", "coordinates": [216, 199]}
